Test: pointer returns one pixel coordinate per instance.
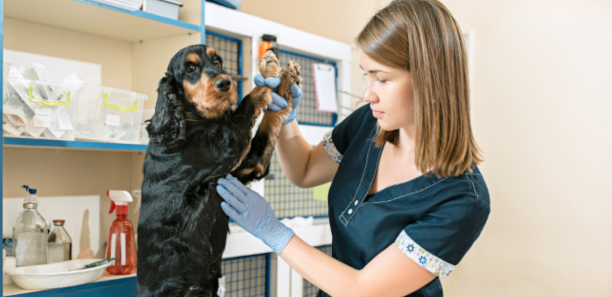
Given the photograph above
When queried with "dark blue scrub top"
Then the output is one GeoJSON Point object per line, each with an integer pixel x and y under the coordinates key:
{"type": "Point", "coordinates": [433, 221]}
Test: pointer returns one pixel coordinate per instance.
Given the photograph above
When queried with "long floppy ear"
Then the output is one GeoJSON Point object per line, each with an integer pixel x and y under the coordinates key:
{"type": "Point", "coordinates": [167, 127]}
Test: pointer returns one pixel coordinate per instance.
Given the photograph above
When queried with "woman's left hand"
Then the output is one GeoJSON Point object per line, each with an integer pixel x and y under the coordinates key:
{"type": "Point", "coordinates": [253, 213]}
{"type": "Point", "coordinates": [278, 102]}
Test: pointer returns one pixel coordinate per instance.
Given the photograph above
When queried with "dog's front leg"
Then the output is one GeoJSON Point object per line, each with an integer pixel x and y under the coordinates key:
{"type": "Point", "coordinates": [255, 164]}
{"type": "Point", "coordinates": [255, 103]}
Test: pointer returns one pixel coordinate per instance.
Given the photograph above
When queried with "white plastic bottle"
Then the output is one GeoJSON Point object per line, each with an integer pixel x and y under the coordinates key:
{"type": "Point", "coordinates": [30, 233]}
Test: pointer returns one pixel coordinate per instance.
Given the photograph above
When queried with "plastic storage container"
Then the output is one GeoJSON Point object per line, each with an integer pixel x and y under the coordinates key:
{"type": "Point", "coordinates": [129, 5]}
{"type": "Point", "coordinates": [37, 108]}
{"type": "Point", "coordinates": [165, 8]}
{"type": "Point", "coordinates": [147, 114]}
{"type": "Point", "coordinates": [109, 114]}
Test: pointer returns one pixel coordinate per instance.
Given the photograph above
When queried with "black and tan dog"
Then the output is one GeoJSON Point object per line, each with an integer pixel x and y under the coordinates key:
{"type": "Point", "coordinates": [198, 134]}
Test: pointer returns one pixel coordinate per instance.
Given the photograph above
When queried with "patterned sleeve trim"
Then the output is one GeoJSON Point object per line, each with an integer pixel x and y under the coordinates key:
{"type": "Point", "coordinates": [330, 148]}
{"type": "Point", "coordinates": [422, 257]}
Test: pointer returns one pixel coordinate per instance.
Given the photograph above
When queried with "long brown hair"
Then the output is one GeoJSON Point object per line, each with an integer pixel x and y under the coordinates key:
{"type": "Point", "coordinates": [422, 37]}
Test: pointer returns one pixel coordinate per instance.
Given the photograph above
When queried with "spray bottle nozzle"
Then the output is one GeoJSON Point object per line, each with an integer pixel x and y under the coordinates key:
{"type": "Point", "coordinates": [113, 205]}
{"type": "Point", "coordinates": [119, 200]}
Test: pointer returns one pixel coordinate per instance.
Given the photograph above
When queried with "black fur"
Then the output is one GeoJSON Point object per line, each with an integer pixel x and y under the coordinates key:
{"type": "Point", "coordinates": [182, 229]}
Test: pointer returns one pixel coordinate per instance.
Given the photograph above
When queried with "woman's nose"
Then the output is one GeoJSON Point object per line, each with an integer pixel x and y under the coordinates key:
{"type": "Point", "coordinates": [369, 96]}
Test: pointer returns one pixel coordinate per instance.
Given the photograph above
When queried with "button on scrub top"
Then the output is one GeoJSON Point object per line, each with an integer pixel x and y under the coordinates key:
{"type": "Point", "coordinates": [433, 221]}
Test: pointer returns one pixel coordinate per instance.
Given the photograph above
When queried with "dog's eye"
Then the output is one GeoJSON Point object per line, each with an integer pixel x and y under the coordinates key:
{"type": "Point", "coordinates": [218, 62]}
{"type": "Point", "coordinates": [191, 68]}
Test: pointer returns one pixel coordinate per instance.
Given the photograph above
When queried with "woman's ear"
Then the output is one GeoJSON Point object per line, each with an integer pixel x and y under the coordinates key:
{"type": "Point", "coordinates": [167, 126]}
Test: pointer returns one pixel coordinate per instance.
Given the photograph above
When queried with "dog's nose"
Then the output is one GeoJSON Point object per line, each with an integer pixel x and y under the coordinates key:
{"type": "Point", "coordinates": [223, 84]}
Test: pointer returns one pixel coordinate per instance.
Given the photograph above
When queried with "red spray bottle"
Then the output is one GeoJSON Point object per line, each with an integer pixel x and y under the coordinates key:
{"type": "Point", "coordinates": [121, 243]}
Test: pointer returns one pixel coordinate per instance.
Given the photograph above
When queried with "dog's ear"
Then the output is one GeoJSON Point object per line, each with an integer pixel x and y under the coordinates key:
{"type": "Point", "coordinates": [167, 127]}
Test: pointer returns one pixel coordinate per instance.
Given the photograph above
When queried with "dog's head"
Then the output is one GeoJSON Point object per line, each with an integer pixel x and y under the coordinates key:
{"type": "Point", "coordinates": [195, 82]}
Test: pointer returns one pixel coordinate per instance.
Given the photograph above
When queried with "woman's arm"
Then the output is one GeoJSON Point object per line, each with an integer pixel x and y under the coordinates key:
{"type": "Point", "coordinates": [304, 166]}
{"type": "Point", "coordinates": [390, 273]}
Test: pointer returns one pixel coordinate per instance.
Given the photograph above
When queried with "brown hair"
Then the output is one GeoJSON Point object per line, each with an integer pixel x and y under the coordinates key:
{"type": "Point", "coordinates": [422, 37]}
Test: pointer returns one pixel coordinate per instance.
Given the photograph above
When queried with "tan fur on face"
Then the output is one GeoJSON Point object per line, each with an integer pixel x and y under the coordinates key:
{"type": "Point", "coordinates": [211, 52]}
{"type": "Point", "coordinates": [193, 58]}
{"type": "Point", "coordinates": [208, 100]}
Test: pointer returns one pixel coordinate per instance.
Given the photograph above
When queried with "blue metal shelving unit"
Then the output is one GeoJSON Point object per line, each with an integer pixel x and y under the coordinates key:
{"type": "Point", "coordinates": [117, 287]}
{"type": "Point", "coordinates": [40, 142]}
{"type": "Point", "coordinates": [1, 112]}
{"type": "Point", "coordinates": [153, 17]}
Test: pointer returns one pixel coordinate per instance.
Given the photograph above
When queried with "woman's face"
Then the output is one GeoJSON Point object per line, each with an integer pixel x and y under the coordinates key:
{"type": "Point", "coordinates": [389, 91]}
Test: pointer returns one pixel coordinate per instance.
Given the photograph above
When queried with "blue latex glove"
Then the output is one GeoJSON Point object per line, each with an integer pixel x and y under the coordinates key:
{"type": "Point", "coordinates": [278, 101]}
{"type": "Point", "coordinates": [253, 213]}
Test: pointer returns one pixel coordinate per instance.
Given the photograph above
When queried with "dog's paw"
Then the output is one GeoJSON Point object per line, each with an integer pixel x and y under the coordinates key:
{"type": "Point", "coordinates": [269, 65]}
{"type": "Point", "coordinates": [260, 170]}
{"type": "Point", "coordinates": [292, 72]}
{"type": "Point", "coordinates": [289, 75]}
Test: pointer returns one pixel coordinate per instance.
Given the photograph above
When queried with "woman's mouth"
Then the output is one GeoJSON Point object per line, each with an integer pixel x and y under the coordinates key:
{"type": "Point", "coordinates": [377, 114]}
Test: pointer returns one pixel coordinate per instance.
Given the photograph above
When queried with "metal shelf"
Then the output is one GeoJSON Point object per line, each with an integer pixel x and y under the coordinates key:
{"type": "Point", "coordinates": [74, 144]}
{"type": "Point", "coordinates": [97, 19]}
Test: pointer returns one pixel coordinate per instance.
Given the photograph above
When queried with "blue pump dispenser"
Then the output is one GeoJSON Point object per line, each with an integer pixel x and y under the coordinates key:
{"type": "Point", "coordinates": [32, 197]}
{"type": "Point", "coordinates": [32, 191]}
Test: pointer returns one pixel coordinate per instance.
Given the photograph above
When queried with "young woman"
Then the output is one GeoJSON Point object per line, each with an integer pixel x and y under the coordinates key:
{"type": "Point", "coordinates": [407, 200]}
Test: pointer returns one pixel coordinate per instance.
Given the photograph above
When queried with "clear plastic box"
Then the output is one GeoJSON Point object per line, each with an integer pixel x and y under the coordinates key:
{"type": "Point", "coordinates": [37, 108]}
{"type": "Point", "coordinates": [147, 114]}
{"type": "Point", "coordinates": [109, 114]}
{"type": "Point", "coordinates": [165, 8]}
{"type": "Point", "coordinates": [129, 5]}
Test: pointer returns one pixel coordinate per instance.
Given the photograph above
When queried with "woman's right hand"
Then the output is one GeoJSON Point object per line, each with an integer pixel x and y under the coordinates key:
{"type": "Point", "coordinates": [278, 102]}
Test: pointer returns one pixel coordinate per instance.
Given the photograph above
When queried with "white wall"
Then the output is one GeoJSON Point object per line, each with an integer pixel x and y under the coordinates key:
{"type": "Point", "coordinates": [541, 107]}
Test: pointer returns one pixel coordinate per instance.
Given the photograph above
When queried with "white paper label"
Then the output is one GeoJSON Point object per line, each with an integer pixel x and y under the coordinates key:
{"type": "Point", "coordinates": [113, 246]}
{"type": "Point", "coordinates": [113, 120]}
{"type": "Point", "coordinates": [123, 249]}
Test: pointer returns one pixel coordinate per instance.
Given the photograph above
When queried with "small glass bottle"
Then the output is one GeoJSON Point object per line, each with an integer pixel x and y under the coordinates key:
{"type": "Point", "coordinates": [60, 243]}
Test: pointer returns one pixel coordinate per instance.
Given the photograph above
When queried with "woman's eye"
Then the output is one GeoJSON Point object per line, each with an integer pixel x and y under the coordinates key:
{"type": "Point", "coordinates": [381, 80]}
{"type": "Point", "coordinates": [191, 68]}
